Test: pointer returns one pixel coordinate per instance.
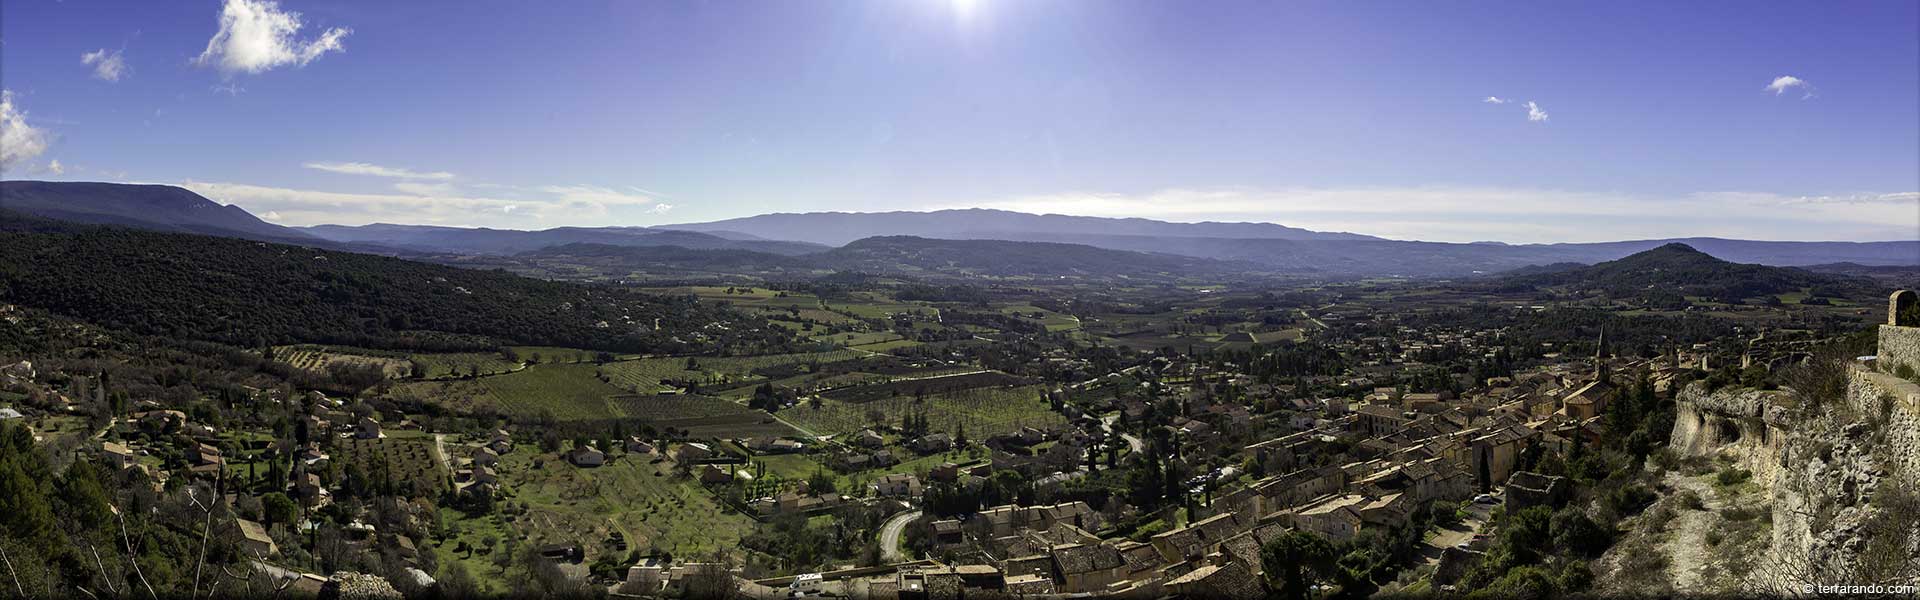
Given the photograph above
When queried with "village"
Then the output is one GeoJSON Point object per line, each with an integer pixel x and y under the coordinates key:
{"type": "Point", "coordinates": [1166, 475]}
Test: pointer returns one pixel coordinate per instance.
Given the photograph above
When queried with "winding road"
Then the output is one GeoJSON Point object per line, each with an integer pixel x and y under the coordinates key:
{"type": "Point", "coordinates": [890, 537]}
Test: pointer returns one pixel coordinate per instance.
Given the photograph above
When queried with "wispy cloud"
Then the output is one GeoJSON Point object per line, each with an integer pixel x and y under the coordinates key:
{"type": "Point", "coordinates": [256, 36]}
{"type": "Point", "coordinates": [107, 66]}
{"type": "Point", "coordinates": [1495, 100]}
{"type": "Point", "coordinates": [55, 167]}
{"type": "Point", "coordinates": [360, 168]}
{"type": "Point", "coordinates": [439, 203]}
{"type": "Point", "coordinates": [18, 140]}
{"type": "Point", "coordinates": [1534, 113]}
{"type": "Point", "coordinates": [1783, 83]}
{"type": "Point", "coordinates": [1524, 215]}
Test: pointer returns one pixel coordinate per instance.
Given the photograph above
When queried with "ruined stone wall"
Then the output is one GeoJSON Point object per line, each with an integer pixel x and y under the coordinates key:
{"type": "Point", "coordinates": [1899, 346]}
{"type": "Point", "coordinates": [1894, 403]}
{"type": "Point", "coordinates": [1824, 492]}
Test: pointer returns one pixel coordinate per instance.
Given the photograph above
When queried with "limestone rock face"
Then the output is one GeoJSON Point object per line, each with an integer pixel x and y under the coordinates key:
{"type": "Point", "coordinates": [1840, 475]}
{"type": "Point", "coordinates": [1745, 424]}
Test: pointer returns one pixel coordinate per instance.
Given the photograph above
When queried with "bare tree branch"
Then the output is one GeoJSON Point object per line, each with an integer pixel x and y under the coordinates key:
{"type": "Point", "coordinates": [104, 576]}
{"type": "Point", "coordinates": [132, 556]}
{"type": "Point", "coordinates": [10, 571]}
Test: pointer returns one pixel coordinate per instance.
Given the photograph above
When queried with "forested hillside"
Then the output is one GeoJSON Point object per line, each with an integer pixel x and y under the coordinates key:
{"type": "Point", "coordinates": [253, 293]}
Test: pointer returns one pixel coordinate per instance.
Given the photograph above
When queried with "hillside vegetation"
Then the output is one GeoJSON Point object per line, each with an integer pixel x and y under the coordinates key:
{"type": "Point", "coordinates": [252, 293]}
{"type": "Point", "coordinates": [1678, 269]}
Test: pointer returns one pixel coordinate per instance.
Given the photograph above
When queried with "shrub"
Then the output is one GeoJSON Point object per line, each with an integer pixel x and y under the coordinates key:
{"type": "Point", "coordinates": [1732, 476]}
{"type": "Point", "coordinates": [1630, 499]}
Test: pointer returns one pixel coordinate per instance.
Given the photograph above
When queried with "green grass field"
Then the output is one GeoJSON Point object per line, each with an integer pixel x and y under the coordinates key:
{"type": "Point", "coordinates": [888, 346]}
{"type": "Point", "coordinates": [568, 391]}
{"type": "Point", "coordinates": [645, 375]}
{"type": "Point", "coordinates": [550, 354]}
{"type": "Point", "coordinates": [463, 364]}
{"type": "Point", "coordinates": [983, 411]}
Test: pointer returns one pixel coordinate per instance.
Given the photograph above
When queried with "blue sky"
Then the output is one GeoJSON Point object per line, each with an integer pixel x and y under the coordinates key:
{"type": "Point", "coordinates": [1648, 119]}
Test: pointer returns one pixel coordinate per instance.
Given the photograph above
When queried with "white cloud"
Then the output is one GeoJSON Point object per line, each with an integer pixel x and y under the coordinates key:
{"type": "Point", "coordinates": [18, 140]}
{"type": "Point", "coordinates": [55, 167]}
{"type": "Point", "coordinates": [107, 66]}
{"type": "Point", "coordinates": [360, 168]}
{"type": "Point", "coordinates": [425, 189]}
{"type": "Point", "coordinates": [255, 36]}
{"type": "Point", "coordinates": [661, 208]}
{"type": "Point", "coordinates": [1783, 83]}
{"type": "Point", "coordinates": [1521, 215]}
{"type": "Point", "coordinates": [433, 203]}
{"type": "Point", "coordinates": [595, 197]}
{"type": "Point", "coordinates": [1495, 100]}
{"type": "Point", "coordinates": [1534, 113]}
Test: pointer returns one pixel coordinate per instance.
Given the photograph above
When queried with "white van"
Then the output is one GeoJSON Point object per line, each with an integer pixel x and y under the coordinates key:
{"type": "Point", "coordinates": [806, 584]}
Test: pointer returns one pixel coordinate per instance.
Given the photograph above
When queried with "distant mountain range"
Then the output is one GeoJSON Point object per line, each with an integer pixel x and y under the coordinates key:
{"type": "Point", "coordinates": [1677, 270]}
{"type": "Point", "coordinates": [463, 240]}
{"type": "Point", "coordinates": [839, 228]}
{"type": "Point", "coordinates": [910, 256]}
{"type": "Point", "coordinates": [154, 207]}
{"type": "Point", "coordinates": [1065, 241]}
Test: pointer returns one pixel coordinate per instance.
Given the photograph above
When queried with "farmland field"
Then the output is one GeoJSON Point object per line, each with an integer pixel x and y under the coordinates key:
{"type": "Point", "coordinates": [645, 375]}
{"type": "Point", "coordinates": [862, 338]}
{"type": "Point", "coordinates": [468, 395]}
{"type": "Point", "coordinates": [463, 364]}
{"type": "Point", "coordinates": [408, 462]}
{"type": "Point", "coordinates": [652, 507]}
{"type": "Point", "coordinates": [885, 347]}
{"type": "Point", "coordinates": [319, 358]}
{"type": "Point", "coordinates": [566, 391]}
{"type": "Point", "coordinates": [983, 411]}
{"type": "Point", "coordinates": [1052, 320]}
{"type": "Point", "coordinates": [549, 354]}
{"type": "Point", "coordinates": [927, 386]}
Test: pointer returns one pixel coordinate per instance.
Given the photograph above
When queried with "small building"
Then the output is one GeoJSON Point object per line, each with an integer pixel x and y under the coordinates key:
{"type": "Point", "coordinates": [715, 475]}
{"type": "Point", "coordinates": [586, 456]}
{"type": "Point", "coordinates": [897, 485]}
{"type": "Point", "coordinates": [486, 457]}
{"type": "Point", "coordinates": [254, 539]}
{"type": "Point", "coordinates": [367, 429]}
{"type": "Point", "coordinates": [117, 454]}
{"type": "Point", "coordinates": [692, 452]}
{"type": "Point", "coordinates": [933, 442]}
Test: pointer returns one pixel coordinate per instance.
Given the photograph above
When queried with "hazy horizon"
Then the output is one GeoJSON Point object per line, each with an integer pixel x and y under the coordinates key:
{"type": "Point", "coordinates": [1503, 123]}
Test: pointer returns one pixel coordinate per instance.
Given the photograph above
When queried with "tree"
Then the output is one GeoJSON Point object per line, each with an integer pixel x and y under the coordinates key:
{"type": "Point", "coordinates": [1291, 562]}
{"type": "Point", "coordinates": [820, 483]}
{"type": "Point", "coordinates": [1573, 532]}
{"type": "Point", "coordinates": [278, 508]}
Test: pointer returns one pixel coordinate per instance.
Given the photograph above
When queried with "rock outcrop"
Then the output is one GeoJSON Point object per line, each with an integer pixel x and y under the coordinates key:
{"type": "Point", "coordinates": [1842, 474]}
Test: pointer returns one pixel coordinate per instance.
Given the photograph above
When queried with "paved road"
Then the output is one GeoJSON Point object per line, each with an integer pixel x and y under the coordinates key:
{"type": "Point", "coordinates": [890, 537]}
{"type": "Point", "coordinates": [1133, 443]}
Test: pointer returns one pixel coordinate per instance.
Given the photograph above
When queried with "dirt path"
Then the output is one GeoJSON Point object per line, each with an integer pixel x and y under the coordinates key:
{"type": "Point", "coordinates": [1688, 553]}
{"type": "Point", "coordinates": [440, 450]}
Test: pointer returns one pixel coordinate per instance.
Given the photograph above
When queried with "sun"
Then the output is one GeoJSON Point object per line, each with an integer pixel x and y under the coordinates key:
{"type": "Point", "coordinates": [964, 9]}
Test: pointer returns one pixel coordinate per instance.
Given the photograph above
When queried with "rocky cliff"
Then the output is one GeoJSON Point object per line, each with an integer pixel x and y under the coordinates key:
{"type": "Point", "coordinates": [1840, 473]}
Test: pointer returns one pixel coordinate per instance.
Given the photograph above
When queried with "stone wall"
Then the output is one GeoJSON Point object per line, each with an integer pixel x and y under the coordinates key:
{"type": "Point", "coordinates": [1895, 403]}
{"type": "Point", "coordinates": [1899, 346]}
{"type": "Point", "coordinates": [1823, 495]}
